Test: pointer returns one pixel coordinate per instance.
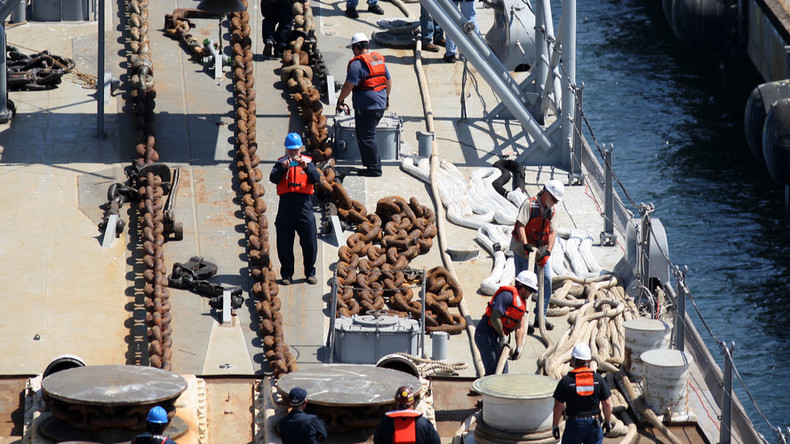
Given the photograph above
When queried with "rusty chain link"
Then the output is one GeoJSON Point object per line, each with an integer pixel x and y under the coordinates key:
{"type": "Point", "coordinates": [265, 289]}
{"type": "Point", "coordinates": [150, 190]}
{"type": "Point", "coordinates": [177, 26]}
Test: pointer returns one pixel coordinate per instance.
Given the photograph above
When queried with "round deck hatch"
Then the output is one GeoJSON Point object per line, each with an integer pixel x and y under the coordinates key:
{"type": "Point", "coordinates": [515, 386]}
{"type": "Point", "coordinates": [348, 384]}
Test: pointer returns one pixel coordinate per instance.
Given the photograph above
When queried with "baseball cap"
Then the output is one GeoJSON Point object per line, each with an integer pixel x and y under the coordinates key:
{"type": "Point", "coordinates": [297, 396]}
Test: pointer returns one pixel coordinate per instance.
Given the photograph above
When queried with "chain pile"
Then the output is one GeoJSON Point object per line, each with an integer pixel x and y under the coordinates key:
{"type": "Point", "coordinates": [35, 72]}
{"type": "Point", "coordinates": [373, 262]}
{"type": "Point", "coordinates": [150, 191]}
{"type": "Point", "coordinates": [264, 287]}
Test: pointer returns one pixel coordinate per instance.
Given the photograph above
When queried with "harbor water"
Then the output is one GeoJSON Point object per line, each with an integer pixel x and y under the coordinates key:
{"type": "Point", "coordinates": [675, 119]}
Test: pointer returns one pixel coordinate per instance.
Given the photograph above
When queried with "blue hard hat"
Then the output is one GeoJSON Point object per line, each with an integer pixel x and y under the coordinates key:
{"type": "Point", "coordinates": [293, 141]}
{"type": "Point", "coordinates": [157, 415]}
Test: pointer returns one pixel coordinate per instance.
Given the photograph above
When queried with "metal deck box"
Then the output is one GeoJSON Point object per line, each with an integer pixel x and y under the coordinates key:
{"type": "Point", "coordinates": [388, 137]}
{"type": "Point", "coordinates": [365, 339]}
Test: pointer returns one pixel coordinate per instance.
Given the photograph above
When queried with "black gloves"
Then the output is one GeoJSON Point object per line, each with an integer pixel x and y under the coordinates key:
{"type": "Point", "coordinates": [555, 432]}
{"type": "Point", "coordinates": [528, 248]}
{"type": "Point", "coordinates": [607, 427]}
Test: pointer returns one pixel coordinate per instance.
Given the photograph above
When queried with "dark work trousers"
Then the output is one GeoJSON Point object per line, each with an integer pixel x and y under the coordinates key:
{"type": "Point", "coordinates": [366, 121]}
{"type": "Point", "coordinates": [277, 20]}
{"type": "Point", "coordinates": [490, 349]}
{"type": "Point", "coordinates": [295, 215]}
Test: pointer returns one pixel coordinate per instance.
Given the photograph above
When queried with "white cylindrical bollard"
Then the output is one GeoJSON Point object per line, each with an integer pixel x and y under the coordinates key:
{"type": "Point", "coordinates": [642, 335]}
{"type": "Point", "coordinates": [665, 384]}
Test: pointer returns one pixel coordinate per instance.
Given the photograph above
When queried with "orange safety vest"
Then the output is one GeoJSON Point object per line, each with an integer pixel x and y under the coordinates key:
{"type": "Point", "coordinates": [514, 312]}
{"type": "Point", "coordinates": [405, 422]}
{"type": "Point", "coordinates": [585, 381]}
{"type": "Point", "coordinates": [377, 78]}
{"type": "Point", "coordinates": [538, 227]}
{"type": "Point", "coordinates": [295, 180]}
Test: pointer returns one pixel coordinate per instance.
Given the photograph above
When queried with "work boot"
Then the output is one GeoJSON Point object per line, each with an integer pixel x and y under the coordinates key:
{"type": "Point", "coordinates": [430, 47]}
{"type": "Point", "coordinates": [352, 12]}
{"type": "Point", "coordinates": [441, 41]}
{"type": "Point", "coordinates": [312, 280]}
{"type": "Point", "coordinates": [285, 281]}
{"type": "Point", "coordinates": [549, 325]}
{"type": "Point", "coordinates": [450, 58]}
{"type": "Point", "coordinates": [376, 9]}
{"type": "Point", "coordinates": [268, 49]}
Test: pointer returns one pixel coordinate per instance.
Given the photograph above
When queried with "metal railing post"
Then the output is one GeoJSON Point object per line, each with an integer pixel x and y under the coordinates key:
{"type": "Point", "coordinates": [576, 177]}
{"type": "Point", "coordinates": [422, 316]}
{"type": "Point", "coordinates": [607, 235]}
{"type": "Point", "coordinates": [645, 244]}
{"type": "Point", "coordinates": [5, 112]}
{"type": "Point", "coordinates": [726, 404]}
{"type": "Point", "coordinates": [100, 77]}
{"type": "Point", "coordinates": [332, 313]}
{"type": "Point", "coordinates": [680, 316]}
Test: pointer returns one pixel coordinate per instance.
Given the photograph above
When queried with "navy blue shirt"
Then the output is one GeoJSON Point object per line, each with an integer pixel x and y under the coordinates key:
{"type": "Point", "coordinates": [502, 301]}
{"type": "Point", "coordinates": [365, 99]}
{"type": "Point", "coordinates": [302, 428]}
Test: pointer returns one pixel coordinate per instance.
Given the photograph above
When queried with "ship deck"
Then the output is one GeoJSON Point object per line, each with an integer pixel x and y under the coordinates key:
{"type": "Point", "coordinates": [64, 293]}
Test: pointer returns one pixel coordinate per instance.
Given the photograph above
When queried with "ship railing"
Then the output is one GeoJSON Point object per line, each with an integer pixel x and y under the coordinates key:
{"type": "Point", "coordinates": [616, 215]}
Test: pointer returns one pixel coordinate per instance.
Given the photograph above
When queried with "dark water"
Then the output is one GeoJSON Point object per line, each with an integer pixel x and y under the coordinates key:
{"type": "Point", "coordinates": [676, 122]}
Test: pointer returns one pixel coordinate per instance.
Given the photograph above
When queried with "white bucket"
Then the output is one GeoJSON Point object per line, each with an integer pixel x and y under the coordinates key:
{"type": "Point", "coordinates": [517, 403]}
{"type": "Point", "coordinates": [642, 335]}
{"type": "Point", "coordinates": [665, 384]}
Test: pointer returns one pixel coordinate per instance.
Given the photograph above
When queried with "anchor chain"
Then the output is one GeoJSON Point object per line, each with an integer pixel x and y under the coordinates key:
{"type": "Point", "coordinates": [35, 72]}
{"type": "Point", "coordinates": [150, 191]}
{"type": "Point", "coordinates": [264, 288]}
{"type": "Point", "coordinates": [177, 26]}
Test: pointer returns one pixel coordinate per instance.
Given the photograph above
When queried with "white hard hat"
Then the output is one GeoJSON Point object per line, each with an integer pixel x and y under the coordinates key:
{"type": "Point", "coordinates": [555, 188]}
{"type": "Point", "coordinates": [581, 352]}
{"type": "Point", "coordinates": [528, 278]}
{"type": "Point", "coordinates": [358, 37]}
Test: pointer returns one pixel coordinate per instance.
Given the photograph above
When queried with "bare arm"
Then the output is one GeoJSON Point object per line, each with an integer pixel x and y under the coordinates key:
{"type": "Point", "coordinates": [520, 331]}
{"type": "Point", "coordinates": [344, 92]}
{"type": "Point", "coordinates": [496, 322]}
{"type": "Point", "coordinates": [557, 414]}
{"type": "Point", "coordinates": [606, 406]}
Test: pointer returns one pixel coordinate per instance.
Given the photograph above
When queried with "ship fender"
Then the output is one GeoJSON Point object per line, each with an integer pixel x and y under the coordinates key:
{"type": "Point", "coordinates": [776, 142]}
{"type": "Point", "coordinates": [703, 24]}
{"type": "Point", "coordinates": [757, 107]}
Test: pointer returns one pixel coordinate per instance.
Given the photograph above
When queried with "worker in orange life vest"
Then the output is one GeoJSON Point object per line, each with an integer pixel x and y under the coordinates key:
{"type": "Point", "coordinates": [369, 79]}
{"type": "Point", "coordinates": [581, 391]}
{"type": "Point", "coordinates": [534, 230]}
{"type": "Point", "coordinates": [404, 424]}
{"type": "Point", "coordinates": [295, 176]}
{"type": "Point", "coordinates": [505, 313]}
